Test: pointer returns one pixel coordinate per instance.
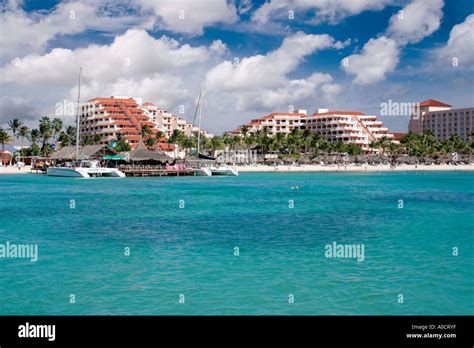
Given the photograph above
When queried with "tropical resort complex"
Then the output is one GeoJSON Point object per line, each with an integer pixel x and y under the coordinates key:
{"type": "Point", "coordinates": [140, 138]}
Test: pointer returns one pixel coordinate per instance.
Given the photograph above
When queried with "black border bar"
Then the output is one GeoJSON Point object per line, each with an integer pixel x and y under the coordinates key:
{"type": "Point", "coordinates": [329, 330]}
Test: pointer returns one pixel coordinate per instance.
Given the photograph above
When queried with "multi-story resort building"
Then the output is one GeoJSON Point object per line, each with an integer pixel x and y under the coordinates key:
{"type": "Point", "coordinates": [167, 122]}
{"type": "Point", "coordinates": [348, 127]}
{"type": "Point", "coordinates": [345, 126]}
{"type": "Point", "coordinates": [276, 122]}
{"type": "Point", "coordinates": [126, 115]}
{"type": "Point", "coordinates": [443, 121]}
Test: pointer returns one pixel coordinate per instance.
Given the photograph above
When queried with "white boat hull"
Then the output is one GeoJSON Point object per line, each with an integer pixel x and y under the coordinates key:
{"type": "Point", "coordinates": [203, 171]}
{"type": "Point", "coordinates": [225, 170]}
{"type": "Point", "coordinates": [85, 172]}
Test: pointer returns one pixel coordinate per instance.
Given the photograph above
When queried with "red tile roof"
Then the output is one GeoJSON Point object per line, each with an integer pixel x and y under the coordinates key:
{"type": "Point", "coordinates": [165, 147]}
{"type": "Point", "coordinates": [340, 113]}
{"type": "Point", "coordinates": [398, 136]}
{"type": "Point", "coordinates": [113, 100]}
{"type": "Point", "coordinates": [432, 102]}
{"type": "Point", "coordinates": [285, 114]}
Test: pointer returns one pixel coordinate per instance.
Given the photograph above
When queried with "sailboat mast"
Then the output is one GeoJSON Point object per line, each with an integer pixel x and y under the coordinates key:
{"type": "Point", "coordinates": [199, 120]}
{"type": "Point", "coordinates": [78, 113]}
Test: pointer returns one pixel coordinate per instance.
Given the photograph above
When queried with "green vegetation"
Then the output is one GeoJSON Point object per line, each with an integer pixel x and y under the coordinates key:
{"type": "Point", "coordinates": [426, 145]}
{"type": "Point", "coordinates": [310, 144]}
{"type": "Point", "coordinates": [122, 144]}
{"type": "Point", "coordinates": [50, 135]}
{"type": "Point", "coordinates": [4, 138]}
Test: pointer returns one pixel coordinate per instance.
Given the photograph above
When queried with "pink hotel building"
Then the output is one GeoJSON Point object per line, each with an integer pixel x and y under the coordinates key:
{"type": "Point", "coordinates": [345, 126]}
{"type": "Point", "coordinates": [442, 120]}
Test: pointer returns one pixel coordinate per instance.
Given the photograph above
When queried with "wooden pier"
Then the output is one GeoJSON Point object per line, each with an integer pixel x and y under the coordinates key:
{"type": "Point", "coordinates": [157, 172]}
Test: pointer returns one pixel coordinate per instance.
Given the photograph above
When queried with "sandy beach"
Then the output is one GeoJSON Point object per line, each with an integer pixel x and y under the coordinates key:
{"type": "Point", "coordinates": [312, 168]}
{"type": "Point", "coordinates": [15, 170]}
{"type": "Point", "coordinates": [352, 168]}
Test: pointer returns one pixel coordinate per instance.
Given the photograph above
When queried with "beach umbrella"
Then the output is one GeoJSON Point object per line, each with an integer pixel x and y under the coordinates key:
{"type": "Point", "coordinates": [303, 160]}
{"type": "Point", "coordinates": [273, 160]}
{"type": "Point", "coordinates": [377, 159]}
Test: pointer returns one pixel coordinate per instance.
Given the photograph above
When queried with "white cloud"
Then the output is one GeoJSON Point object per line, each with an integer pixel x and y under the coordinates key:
{"type": "Point", "coordinates": [25, 33]}
{"type": "Point", "coordinates": [295, 91]}
{"type": "Point", "coordinates": [134, 54]}
{"type": "Point", "coordinates": [219, 47]}
{"type": "Point", "coordinates": [191, 17]}
{"type": "Point", "coordinates": [460, 44]}
{"type": "Point", "coordinates": [324, 10]}
{"type": "Point", "coordinates": [378, 57]}
{"type": "Point", "coordinates": [262, 80]}
{"type": "Point", "coordinates": [163, 89]}
{"type": "Point", "coordinates": [160, 70]}
{"type": "Point", "coordinates": [417, 20]}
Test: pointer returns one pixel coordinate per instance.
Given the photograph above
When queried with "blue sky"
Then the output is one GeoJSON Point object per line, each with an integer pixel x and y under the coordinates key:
{"type": "Point", "coordinates": [253, 58]}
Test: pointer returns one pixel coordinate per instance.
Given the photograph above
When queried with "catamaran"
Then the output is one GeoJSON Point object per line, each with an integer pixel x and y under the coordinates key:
{"type": "Point", "coordinates": [82, 168]}
{"type": "Point", "coordinates": [205, 169]}
{"type": "Point", "coordinates": [201, 167]}
{"type": "Point", "coordinates": [224, 169]}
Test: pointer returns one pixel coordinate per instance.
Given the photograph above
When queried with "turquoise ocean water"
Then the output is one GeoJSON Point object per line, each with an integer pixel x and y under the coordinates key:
{"type": "Point", "coordinates": [190, 250]}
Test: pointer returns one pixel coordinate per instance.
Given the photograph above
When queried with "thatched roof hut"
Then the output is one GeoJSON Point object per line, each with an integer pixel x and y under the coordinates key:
{"type": "Point", "coordinates": [85, 152]}
{"type": "Point", "coordinates": [273, 160]}
{"type": "Point", "coordinates": [141, 153]}
{"type": "Point", "coordinates": [318, 159]}
{"type": "Point", "coordinates": [303, 160]}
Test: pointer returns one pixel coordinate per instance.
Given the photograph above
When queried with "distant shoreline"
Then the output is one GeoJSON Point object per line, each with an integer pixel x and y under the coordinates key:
{"type": "Point", "coordinates": [349, 168]}
{"type": "Point", "coordinates": [314, 168]}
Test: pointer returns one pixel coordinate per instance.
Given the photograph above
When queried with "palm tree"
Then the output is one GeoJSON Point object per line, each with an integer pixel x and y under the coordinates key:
{"type": "Point", "coordinates": [68, 137]}
{"type": "Point", "coordinates": [122, 144]}
{"type": "Point", "coordinates": [34, 136]}
{"type": "Point", "coordinates": [146, 131]}
{"type": "Point", "coordinates": [45, 129]}
{"type": "Point", "coordinates": [249, 140]}
{"type": "Point", "coordinates": [4, 138]}
{"type": "Point", "coordinates": [236, 140]}
{"type": "Point", "coordinates": [384, 143]}
{"type": "Point", "coordinates": [278, 141]}
{"type": "Point", "coordinates": [23, 133]}
{"type": "Point", "coordinates": [294, 140]}
{"type": "Point", "coordinates": [159, 134]}
{"type": "Point", "coordinates": [176, 137]}
{"type": "Point", "coordinates": [262, 139]}
{"type": "Point", "coordinates": [307, 139]}
{"type": "Point", "coordinates": [353, 149]}
{"type": "Point", "coordinates": [15, 126]}
{"type": "Point", "coordinates": [244, 130]}
{"type": "Point", "coordinates": [216, 143]}
{"type": "Point", "coordinates": [150, 142]}
{"type": "Point", "coordinates": [56, 126]}
{"type": "Point", "coordinates": [319, 142]}
{"type": "Point", "coordinates": [227, 140]}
